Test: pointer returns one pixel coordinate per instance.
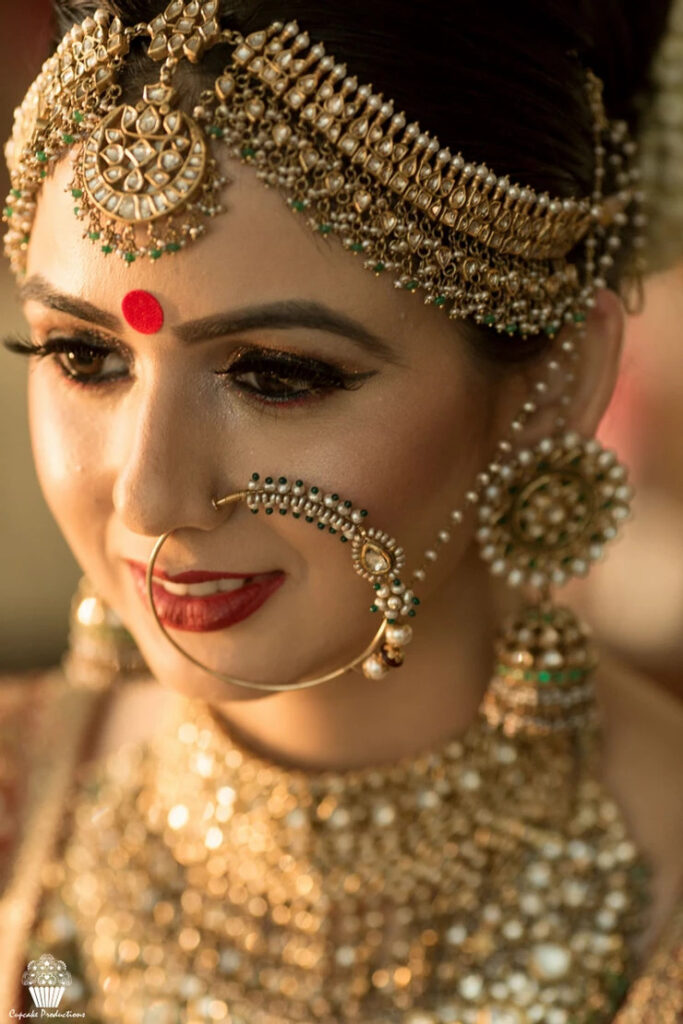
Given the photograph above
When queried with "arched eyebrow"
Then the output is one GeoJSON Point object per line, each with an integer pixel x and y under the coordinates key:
{"type": "Point", "coordinates": [37, 289]}
{"type": "Point", "coordinates": [279, 315]}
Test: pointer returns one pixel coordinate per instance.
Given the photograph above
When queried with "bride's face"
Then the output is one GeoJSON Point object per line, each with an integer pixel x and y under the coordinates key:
{"type": "Point", "coordinates": [279, 354]}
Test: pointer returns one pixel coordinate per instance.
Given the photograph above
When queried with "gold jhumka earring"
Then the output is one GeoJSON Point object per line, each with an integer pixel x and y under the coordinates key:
{"type": "Point", "coordinates": [471, 242]}
{"type": "Point", "coordinates": [543, 519]}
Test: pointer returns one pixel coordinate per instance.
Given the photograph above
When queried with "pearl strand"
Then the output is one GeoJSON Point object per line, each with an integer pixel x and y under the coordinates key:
{"type": "Point", "coordinates": [567, 355]}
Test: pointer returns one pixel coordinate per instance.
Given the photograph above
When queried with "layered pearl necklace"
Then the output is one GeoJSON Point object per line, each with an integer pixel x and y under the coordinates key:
{"type": "Point", "coordinates": [483, 882]}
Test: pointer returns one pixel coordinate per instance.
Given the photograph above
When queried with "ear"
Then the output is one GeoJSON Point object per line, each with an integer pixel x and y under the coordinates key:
{"type": "Point", "coordinates": [583, 398]}
{"type": "Point", "coordinates": [597, 367]}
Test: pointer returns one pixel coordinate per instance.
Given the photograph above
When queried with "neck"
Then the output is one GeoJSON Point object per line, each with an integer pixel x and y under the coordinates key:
{"type": "Point", "coordinates": [351, 721]}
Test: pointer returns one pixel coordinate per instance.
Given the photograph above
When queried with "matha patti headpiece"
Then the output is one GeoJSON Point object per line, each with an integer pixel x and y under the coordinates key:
{"type": "Point", "coordinates": [145, 179]}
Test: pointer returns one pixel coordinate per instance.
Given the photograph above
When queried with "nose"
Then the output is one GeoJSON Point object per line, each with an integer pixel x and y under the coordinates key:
{"type": "Point", "coordinates": [166, 455]}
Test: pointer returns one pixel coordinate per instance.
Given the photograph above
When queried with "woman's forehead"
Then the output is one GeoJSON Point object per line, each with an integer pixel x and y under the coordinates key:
{"type": "Point", "coordinates": [255, 252]}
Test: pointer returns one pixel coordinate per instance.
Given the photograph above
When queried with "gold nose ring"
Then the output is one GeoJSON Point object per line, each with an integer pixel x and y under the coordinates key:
{"type": "Point", "coordinates": [375, 555]}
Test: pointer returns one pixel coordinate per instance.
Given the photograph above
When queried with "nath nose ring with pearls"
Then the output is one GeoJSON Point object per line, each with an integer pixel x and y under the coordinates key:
{"type": "Point", "coordinates": [375, 555]}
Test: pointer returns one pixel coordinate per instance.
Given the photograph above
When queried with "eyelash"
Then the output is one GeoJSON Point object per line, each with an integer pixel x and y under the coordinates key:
{"type": "Point", "coordinates": [282, 366]}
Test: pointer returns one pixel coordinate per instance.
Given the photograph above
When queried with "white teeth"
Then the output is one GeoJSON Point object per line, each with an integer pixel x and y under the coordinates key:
{"type": "Point", "coordinates": [201, 589]}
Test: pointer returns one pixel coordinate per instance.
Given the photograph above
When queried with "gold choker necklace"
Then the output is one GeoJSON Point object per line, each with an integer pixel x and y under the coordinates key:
{"type": "Point", "coordinates": [487, 881]}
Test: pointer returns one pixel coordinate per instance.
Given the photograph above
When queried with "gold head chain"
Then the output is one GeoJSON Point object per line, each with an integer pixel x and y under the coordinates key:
{"type": "Point", "coordinates": [146, 181]}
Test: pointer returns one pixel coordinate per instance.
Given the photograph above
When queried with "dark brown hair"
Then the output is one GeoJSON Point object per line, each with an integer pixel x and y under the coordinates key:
{"type": "Point", "coordinates": [501, 80]}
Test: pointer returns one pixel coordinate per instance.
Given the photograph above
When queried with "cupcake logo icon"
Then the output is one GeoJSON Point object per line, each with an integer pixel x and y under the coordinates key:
{"type": "Point", "coordinates": [46, 979]}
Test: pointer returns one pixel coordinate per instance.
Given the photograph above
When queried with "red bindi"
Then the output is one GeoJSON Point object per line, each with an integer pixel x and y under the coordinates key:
{"type": "Point", "coordinates": [143, 312]}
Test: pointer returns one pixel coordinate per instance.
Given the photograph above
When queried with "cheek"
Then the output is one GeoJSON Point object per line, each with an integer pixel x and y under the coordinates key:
{"type": "Point", "coordinates": [408, 457]}
{"type": "Point", "coordinates": [411, 458]}
{"type": "Point", "coordinates": [68, 460]}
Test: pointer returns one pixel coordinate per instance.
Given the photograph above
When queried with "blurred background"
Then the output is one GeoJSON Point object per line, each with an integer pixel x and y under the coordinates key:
{"type": "Point", "coordinates": [634, 601]}
{"type": "Point", "coordinates": [38, 573]}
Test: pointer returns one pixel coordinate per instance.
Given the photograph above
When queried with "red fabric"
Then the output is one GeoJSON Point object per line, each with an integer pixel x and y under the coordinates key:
{"type": "Point", "coordinates": [143, 312]}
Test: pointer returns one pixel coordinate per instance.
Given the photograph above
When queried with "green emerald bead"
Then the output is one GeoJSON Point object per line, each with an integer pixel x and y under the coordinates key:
{"type": "Point", "coordinates": [363, 511]}
{"type": "Point", "coordinates": [43, 174]}
{"type": "Point", "coordinates": [544, 677]}
{"type": "Point", "coordinates": [416, 600]}
{"type": "Point", "coordinates": [489, 319]}
{"type": "Point", "coordinates": [412, 285]}
{"type": "Point", "coordinates": [376, 586]}
{"type": "Point", "coordinates": [309, 519]}
{"type": "Point", "coordinates": [324, 229]}
{"type": "Point", "coordinates": [335, 497]}
{"type": "Point", "coordinates": [391, 621]}
{"type": "Point", "coordinates": [315, 490]}
{"type": "Point", "coordinates": [321, 526]}
{"type": "Point", "coordinates": [282, 479]}
{"type": "Point", "coordinates": [247, 151]}
{"type": "Point", "coordinates": [215, 131]}
{"type": "Point", "coordinates": [379, 267]}
{"type": "Point", "coordinates": [396, 581]}
{"type": "Point", "coordinates": [77, 210]}
{"type": "Point", "coordinates": [344, 539]}
{"type": "Point", "coordinates": [79, 118]}
{"type": "Point", "coordinates": [68, 139]}
{"type": "Point", "coordinates": [16, 192]}
{"type": "Point", "coordinates": [8, 211]}
{"type": "Point", "coordinates": [269, 511]}
{"type": "Point", "coordinates": [254, 476]}
{"type": "Point", "coordinates": [106, 249]}
{"type": "Point", "coordinates": [511, 328]}
{"type": "Point", "coordinates": [297, 204]}
{"type": "Point", "coordinates": [77, 193]}
{"type": "Point", "coordinates": [374, 608]}
{"type": "Point", "coordinates": [254, 511]}
{"type": "Point", "coordinates": [579, 318]}
{"type": "Point", "coordinates": [41, 155]}
{"type": "Point", "coordinates": [129, 257]}
{"type": "Point", "coordinates": [94, 236]}
{"type": "Point", "coordinates": [25, 239]}
{"type": "Point", "coordinates": [282, 511]}
{"type": "Point", "coordinates": [347, 504]}
{"type": "Point", "coordinates": [296, 515]}
{"type": "Point", "coordinates": [440, 300]}
{"type": "Point", "coordinates": [356, 247]}
{"type": "Point", "coordinates": [173, 247]}
{"type": "Point", "coordinates": [412, 613]}
{"type": "Point", "coordinates": [332, 529]}
{"type": "Point", "coordinates": [156, 254]}
{"type": "Point", "coordinates": [269, 479]}
{"type": "Point", "coordinates": [298, 483]}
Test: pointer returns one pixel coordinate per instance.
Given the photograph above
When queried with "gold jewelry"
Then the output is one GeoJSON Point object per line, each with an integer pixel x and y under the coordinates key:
{"type": "Point", "coordinates": [375, 556]}
{"type": "Point", "coordinates": [549, 512]}
{"type": "Point", "coordinates": [546, 515]}
{"type": "Point", "coordinates": [480, 881]}
{"type": "Point", "coordinates": [101, 651]}
{"type": "Point", "coordinates": [475, 243]}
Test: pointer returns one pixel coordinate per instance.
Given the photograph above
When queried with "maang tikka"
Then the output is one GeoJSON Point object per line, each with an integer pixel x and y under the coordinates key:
{"type": "Point", "coordinates": [146, 178]}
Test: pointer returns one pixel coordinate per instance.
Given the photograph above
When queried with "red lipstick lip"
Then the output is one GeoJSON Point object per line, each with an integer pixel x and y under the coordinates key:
{"type": "Point", "coordinates": [193, 575]}
{"type": "Point", "coordinates": [211, 612]}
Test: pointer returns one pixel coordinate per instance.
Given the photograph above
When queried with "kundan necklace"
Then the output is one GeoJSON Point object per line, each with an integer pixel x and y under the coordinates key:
{"type": "Point", "coordinates": [488, 881]}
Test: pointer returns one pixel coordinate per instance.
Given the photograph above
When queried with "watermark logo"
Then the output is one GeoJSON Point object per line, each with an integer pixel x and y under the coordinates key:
{"type": "Point", "coordinates": [47, 980]}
